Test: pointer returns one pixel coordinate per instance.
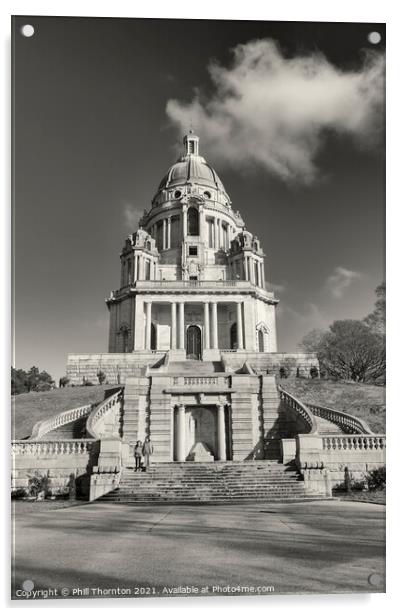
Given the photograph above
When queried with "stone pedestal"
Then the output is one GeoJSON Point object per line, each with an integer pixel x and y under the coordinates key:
{"type": "Point", "coordinates": [200, 453]}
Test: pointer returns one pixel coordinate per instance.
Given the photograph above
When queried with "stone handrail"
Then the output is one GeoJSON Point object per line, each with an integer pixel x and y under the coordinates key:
{"type": "Point", "coordinates": [38, 448]}
{"type": "Point", "coordinates": [192, 283]}
{"type": "Point", "coordinates": [354, 442]}
{"type": "Point", "coordinates": [301, 409]}
{"type": "Point", "coordinates": [197, 382]}
{"type": "Point", "coordinates": [112, 403]}
{"type": "Point", "coordinates": [61, 419]}
{"type": "Point", "coordinates": [348, 423]}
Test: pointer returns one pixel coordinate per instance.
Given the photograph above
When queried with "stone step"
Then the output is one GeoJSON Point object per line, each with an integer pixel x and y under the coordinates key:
{"type": "Point", "coordinates": [217, 482]}
{"type": "Point", "coordinates": [194, 367]}
{"type": "Point", "coordinates": [73, 429]}
{"type": "Point", "coordinates": [327, 427]}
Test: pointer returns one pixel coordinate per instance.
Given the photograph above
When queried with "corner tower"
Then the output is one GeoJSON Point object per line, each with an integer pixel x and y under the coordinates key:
{"type": "Point", "coordinates": [192, 277]}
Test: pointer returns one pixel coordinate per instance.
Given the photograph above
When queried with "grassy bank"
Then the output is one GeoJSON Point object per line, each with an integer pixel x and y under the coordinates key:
{"type": "Point", "coordinates": [27, 409]}
{"type": "Point", "coordinates": [364, 401]}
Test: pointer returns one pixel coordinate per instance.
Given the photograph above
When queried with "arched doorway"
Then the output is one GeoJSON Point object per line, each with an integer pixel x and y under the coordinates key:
{"type": "Point", "coordinates": [201, 429]}
{"type": "Point", "coordinates": [193, 346]}
{"type": "Point", "coordinates": [153, 337]}
{"type": "Point", "coordinates": [233, 336]}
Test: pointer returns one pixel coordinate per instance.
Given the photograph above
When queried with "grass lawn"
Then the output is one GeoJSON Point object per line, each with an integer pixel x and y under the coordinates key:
{"type": "Point", "coordinates": [364, 401]}
{"type": "Point", "coordinates": [27, 409]}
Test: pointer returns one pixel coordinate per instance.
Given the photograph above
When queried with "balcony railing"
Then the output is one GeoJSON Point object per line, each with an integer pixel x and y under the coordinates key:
{"type": "Point", "coordinates": [191, 284]}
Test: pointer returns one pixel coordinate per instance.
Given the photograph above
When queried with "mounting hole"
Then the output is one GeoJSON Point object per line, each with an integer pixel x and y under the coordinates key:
{"type": "Point", "coordinates": [27, 30]}
{"type": "Point", "coordinates": [374, 38]}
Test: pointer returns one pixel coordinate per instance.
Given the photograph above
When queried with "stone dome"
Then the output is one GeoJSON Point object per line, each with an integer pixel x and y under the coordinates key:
{"type": "Point", "coordinates": [191, 168]}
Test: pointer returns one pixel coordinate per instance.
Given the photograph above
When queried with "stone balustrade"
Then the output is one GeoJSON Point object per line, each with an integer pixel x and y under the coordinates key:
{"type": "Point", "coordinates": [198, 383]}
{"type": "Point", "coordinates": [40, 449]}
{"type": "Point", "coordinates": [104, 420]}
{"type": "Point", "coordinates": [59, 460]}
{"type": "Point", "coordinates": [360, 453]}
{"type": "Point", "coordinates": [354, 443]}
{"type": "Point", "coordinates": [184, 284]}
{"type": "Point", "coordinates": [41, 428]}
{"type": "Point", "coordinates": [348, 423]}
{"type": "Point", "coordinates": [300, 409]}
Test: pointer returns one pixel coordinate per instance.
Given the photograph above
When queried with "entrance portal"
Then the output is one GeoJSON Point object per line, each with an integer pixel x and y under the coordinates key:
{"type": "Point", "coordinates": [193, 347]}
{"type": "Point", "coordinates": [201, 432]}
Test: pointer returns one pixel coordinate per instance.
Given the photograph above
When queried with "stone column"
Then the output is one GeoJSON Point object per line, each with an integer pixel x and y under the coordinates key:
{"type": "Point", "coordinates": [169, 231]}
{"type": "Point", "coordinates": [135, 267]}
{"type": "Point", "coordinates": [181, 325]}
{"type": "Point", "coordinates": [252, 271]}
{"type": "Point", "coordinates": [216, 233]}
{"type": "Point", "coordinates": [181, 433]}
{"type": "Point", "coordinates": [239, 326]}
{"type": "Point", "coordinates": [206, 326]}
{"type": "Point", "coordinates": [214, 325]}
{"type": "Point", "coordinates": [263, 274]}
{"type": "Point", "coordinates": [201, 223]}
{"type": "Point", "coordinates": [148, 325]}
{"type": "Point", "coordinates": [173, 341]}
{"type": "Point", "coordinates": [184, 222]}
{"type": "Point", "coordinates": [245, 266]}
{"type": "Point", "coordinates": [140, 267]}
{"type": "Point", "coordinates": [221, 433]}
{"type": "Point", "coordinates": [164, 234]}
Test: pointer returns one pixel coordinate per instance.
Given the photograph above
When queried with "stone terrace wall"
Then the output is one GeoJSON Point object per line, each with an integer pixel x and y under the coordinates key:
{"type": "Point", "coordinates": [116, 366]}
{"type": "Point", "coordinates": [272, 362]}
{"type": "Point", "coordinates": [56, 459]}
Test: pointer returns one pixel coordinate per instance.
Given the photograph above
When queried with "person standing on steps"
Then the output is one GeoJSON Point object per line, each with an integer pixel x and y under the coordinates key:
{"type": "Point", "coordinates": [138, 455]}
{"type": "Point", "coordinates": [147, 451]}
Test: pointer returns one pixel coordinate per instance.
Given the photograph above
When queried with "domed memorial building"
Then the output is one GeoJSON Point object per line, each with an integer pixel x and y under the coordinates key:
{"type": "Point", "coordinates": [193, 365]}
{"type": "Point", "coordinates": [192, 278]}
{"type": "Point", "coordinates": [192, 333]}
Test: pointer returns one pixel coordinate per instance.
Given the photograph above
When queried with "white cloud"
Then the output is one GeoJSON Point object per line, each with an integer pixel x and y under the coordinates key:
{"type": "Point", "coordinates": [340, 280]}
{"type": "Point", "coordinates": [274, 112]}
{"type": "Point", "coordinates": [131, 216]}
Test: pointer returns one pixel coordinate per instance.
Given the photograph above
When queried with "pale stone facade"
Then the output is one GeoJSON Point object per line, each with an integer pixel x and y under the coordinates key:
{"type": "Point", "coordinates": [192, 333]}
{"type": "Point", "coordinates": [192, 265]}
{"type": "Point", "coordinates": [193, 352]}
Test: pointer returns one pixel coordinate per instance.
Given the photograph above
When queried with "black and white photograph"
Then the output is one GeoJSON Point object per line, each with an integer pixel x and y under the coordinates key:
{"type": "Point", "coordinates": [198, 341]}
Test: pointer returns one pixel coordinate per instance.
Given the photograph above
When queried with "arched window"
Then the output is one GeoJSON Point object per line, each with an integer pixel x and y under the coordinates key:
{"type": "Point", "coordinates": [192, 222]}
{"type": "Point", "coordinates": [176, 232]}
{"type": "Point", "coordinates": [153, 337]}
{"type": "Point", "coordinates": [147, 270]}
{"type": "Point", "coordinates": [233, 336]}
{"type": "Point", "coordinates": [125, 338]}
{"type": "Point", "coordinates": [262, 338]}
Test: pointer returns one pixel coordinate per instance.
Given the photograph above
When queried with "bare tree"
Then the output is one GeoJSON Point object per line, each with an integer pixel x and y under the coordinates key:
{"type": "Point", "coordinates": [351, 351]}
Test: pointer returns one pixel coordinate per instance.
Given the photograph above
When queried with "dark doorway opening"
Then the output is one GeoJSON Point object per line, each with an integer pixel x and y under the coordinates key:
{"type": "Point", "coordinates": [153, 337]}
{"type": "Point", "coordinates": [233, 336]}
{"type": "Point", "coordinates": [193, 347]}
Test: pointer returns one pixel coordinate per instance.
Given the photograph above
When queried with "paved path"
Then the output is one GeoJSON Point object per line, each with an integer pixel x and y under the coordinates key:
{"type": "Point", "coordinates": [327, 546]}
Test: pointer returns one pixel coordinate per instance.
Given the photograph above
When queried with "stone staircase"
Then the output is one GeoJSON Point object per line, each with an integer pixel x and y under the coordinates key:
{"type": "Point", "coordinates": [217, 482]}
{"type": "Point", "coordinates": [327, 427]}
{"type": "Point", "coordinates": [73, 429]}
{"type": "Point", "coordinates": [195, 367]}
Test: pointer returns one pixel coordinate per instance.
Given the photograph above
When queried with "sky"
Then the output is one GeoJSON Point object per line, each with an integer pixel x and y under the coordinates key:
{"type": "Point", "coordinates": [288, 113]}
